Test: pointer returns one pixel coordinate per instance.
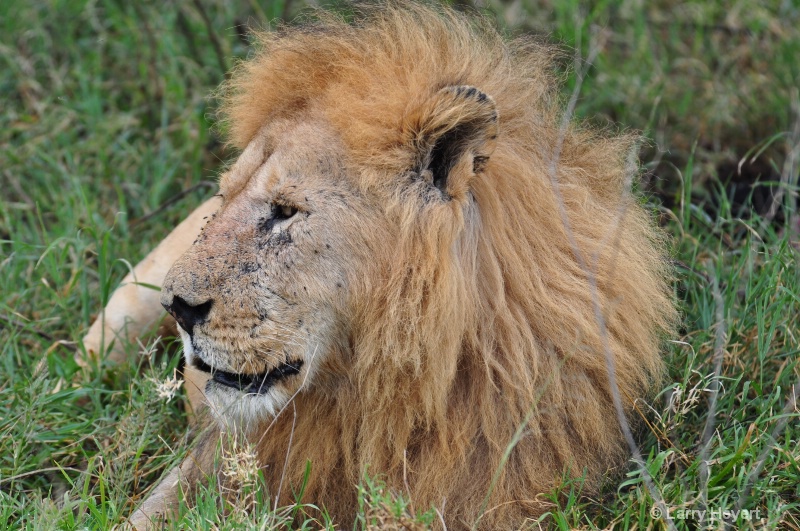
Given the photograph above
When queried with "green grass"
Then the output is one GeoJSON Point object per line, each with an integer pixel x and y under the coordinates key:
{"type": "Point", "coordinates": [104, 116]}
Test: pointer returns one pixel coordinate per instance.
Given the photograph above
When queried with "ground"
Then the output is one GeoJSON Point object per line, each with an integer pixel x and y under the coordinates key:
{"type": "Point", "coordinates": [106, 140]}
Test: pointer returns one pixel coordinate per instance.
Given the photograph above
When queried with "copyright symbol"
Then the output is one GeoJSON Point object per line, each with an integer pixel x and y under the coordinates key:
{"type": "Point", "coordinates": [656, 513]}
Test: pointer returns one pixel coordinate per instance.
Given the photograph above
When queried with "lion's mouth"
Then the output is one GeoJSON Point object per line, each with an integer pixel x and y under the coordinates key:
{"type": "Point", "coordinates": [258, 384]}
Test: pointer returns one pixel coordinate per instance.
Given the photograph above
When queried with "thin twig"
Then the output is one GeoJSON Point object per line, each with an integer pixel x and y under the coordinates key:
{"type": "Point", "coordinates": [790, 165]}
{"type": "Point", "coordinates": [25, 327]}
{"type": "Point", "coordinates": [291, 399]}
{"type": "Point", "coordinates": [286, 9]}
{"type": "Point", "coordinates": [171, 201]}
{"type": "Point", "coordinates": [15, 477]}
{"type": "Point", "coordinates": [213, 36]}
{"type": "Point", "coordinates": [182, 23]}
{"type": "Point", "coordinates": [286, 460]}
{"type": "Point", "coordinates": [686, 267]}
{"type": "Point", "coordinates": [157, 92]}
{"type": "Point", "coordinates": [515, 439]}
{"type": "Point", "coordinates": [17, 186]}
{"type": "Point", "coordinates": [44, 335]}
{"type": "Point", "coordinates": [719, 355]}
{"type": "Point", "coordinates": [610, 367]}
{"type": "Point", "coordinates": [791, 405]}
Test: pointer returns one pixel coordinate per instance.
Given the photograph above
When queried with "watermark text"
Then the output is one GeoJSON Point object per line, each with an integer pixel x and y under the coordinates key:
{"type": "Point", "coordinates": [708, 515]}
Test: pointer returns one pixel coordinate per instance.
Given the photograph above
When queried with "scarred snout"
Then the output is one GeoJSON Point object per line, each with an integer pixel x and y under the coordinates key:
{"type": "Point", "coordinates": [239, 361]}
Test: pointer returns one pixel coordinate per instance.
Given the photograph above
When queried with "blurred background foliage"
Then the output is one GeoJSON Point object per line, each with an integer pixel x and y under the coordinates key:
{"type": "Point", "coordinates": [712, 81]}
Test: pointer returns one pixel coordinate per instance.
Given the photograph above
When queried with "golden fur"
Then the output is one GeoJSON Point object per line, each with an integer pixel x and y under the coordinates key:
{"type": "Point", "coordinates": [461, 316]}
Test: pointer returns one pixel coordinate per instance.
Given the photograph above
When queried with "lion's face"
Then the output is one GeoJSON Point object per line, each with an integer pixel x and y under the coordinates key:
{"type": "Point", "coordinates": [269, 296]}
{"type": "Point", "coordinates": [262, 295]}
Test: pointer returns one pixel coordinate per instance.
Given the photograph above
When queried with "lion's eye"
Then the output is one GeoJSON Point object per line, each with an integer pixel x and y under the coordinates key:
{"type": "Point", "coordinates": [282, 212]}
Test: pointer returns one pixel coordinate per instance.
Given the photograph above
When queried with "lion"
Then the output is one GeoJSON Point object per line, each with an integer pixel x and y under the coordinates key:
{"type": "Point", "coordinates": [417, 268]}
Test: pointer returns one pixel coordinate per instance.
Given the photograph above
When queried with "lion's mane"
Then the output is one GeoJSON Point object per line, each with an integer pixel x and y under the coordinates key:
{"type": "Point", "coordinates": [461, 345]}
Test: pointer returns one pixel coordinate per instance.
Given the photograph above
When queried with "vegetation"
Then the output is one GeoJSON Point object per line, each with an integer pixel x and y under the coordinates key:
{"type": "Point", "coordinates": [106, 140]}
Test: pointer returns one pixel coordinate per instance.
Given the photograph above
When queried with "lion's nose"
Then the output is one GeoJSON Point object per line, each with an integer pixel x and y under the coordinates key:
{"type": "Point", "coordinates": [188, 315]}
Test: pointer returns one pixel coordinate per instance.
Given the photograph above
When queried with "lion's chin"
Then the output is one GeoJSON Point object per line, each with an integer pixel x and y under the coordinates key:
{"type": "Point", "coordinates": [242, 412]}
{"type": "Point", "coordinates": [238, 401]}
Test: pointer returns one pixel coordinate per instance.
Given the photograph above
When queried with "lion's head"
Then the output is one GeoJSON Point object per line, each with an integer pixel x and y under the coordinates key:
{"type": "Point", "coordinates": [273, 293]}
{"type": "Point", "coordinates": [391, 253]}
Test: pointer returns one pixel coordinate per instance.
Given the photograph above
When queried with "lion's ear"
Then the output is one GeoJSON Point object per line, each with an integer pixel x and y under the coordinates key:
{"type": "Point", "coordinates": [455, 132]}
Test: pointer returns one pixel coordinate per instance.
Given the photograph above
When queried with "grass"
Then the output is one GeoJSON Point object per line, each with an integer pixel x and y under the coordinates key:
{"type": "Point", "coordinates": [105, 117]}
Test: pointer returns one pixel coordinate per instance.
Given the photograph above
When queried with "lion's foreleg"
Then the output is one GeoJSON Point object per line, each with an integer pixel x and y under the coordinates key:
{"type": "Point", "coordinates": [134, 307]}
{"type": "Point", "coordinates": [181, 483]}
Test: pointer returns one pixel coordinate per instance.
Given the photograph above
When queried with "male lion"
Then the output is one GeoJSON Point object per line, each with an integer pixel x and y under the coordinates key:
{"type": "Point", "coordinates": [411, 261]}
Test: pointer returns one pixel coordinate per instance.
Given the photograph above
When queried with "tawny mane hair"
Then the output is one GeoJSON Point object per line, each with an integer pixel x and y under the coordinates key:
{"type": "Point", "coordinates": [485, 319]}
